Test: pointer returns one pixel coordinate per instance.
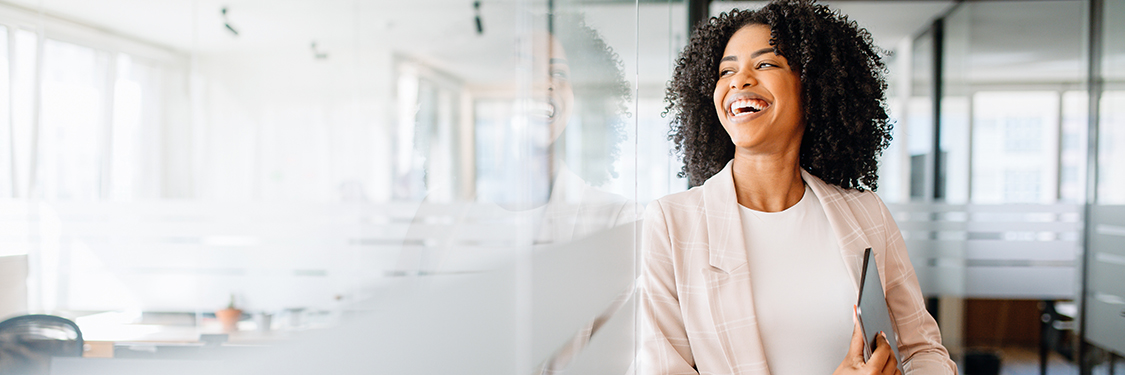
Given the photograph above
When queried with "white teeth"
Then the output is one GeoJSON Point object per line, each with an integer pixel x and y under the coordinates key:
{"type": "Point", "coordinates": [745, 107]}
{"type": "Point", "coordinates": [546, 109]}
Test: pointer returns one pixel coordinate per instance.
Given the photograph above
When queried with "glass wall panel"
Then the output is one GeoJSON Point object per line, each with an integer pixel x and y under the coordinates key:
{"type": "Point", "coordinates": [1011, 128]}
{"type": "Point", "coordinates": [920, 118]}
{"type": "Point", "coordinates": [1104, 295]}
{"type": "Point", "coordinates": [434, 179]}
{"type": "Point", "coordinates": [1020, 102]}
{"type": "Point", "coordinates": [1111, 134]}
{"type": "Point", "coordinates": [953, 163]}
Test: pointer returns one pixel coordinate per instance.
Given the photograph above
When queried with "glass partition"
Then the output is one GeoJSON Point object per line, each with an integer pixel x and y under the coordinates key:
{"type": "Point", "coordinates": [374, 184]}
{"type": "Point", "coordinates": [1104, 296]}
{"type": "Point", "coordinates": [996, 220]}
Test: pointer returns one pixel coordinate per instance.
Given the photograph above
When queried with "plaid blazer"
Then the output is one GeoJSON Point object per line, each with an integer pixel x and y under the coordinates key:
{"type": "Point", "coordinates": [697, 310]}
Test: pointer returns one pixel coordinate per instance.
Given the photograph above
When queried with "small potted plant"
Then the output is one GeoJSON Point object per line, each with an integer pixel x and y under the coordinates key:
{"type": "Point", "coordinates": [229, 316]}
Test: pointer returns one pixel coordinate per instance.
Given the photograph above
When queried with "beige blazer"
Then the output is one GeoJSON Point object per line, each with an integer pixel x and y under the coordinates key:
{"type": "Point", "coordinates": [697, 308]}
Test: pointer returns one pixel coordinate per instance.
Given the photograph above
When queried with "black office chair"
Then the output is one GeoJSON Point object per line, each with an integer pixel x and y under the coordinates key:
{"type": "Point", "coordinates": [28, 342]}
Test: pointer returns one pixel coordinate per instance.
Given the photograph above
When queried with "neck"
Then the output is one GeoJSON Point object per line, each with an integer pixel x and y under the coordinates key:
{"type": "Point", "coordinates": [767, 182]}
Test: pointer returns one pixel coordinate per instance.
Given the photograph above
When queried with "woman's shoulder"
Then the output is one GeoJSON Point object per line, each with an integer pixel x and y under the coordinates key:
{"type": "Point", "coordinates": [853, 197]}
{"type": "Point", "coordinates": [676, 204]}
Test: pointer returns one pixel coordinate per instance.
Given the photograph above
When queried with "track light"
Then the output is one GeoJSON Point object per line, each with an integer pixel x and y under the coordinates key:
{"type": "Point", "coordinates": [226, 22]}
{"type": "Point", "coordinates": [318, 54]}
{"type": "Point", "coordinates": [476, 10]}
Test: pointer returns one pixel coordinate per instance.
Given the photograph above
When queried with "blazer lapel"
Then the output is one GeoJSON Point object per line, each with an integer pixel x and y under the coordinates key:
{"type": "Point", "coordinates": [728, 281]}
{"type": "Point", "coordinates": [850, 234]}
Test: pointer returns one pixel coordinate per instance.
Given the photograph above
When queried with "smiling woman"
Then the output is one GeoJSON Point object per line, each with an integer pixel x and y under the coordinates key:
{"type": "Point", "coordinates": [844, 115]}
{"type": "Point", "coordinates": [778, 114]}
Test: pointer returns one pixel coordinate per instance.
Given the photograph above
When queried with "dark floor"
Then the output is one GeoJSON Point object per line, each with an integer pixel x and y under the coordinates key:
{"type": "Point", "coordinates": [1025, 361]}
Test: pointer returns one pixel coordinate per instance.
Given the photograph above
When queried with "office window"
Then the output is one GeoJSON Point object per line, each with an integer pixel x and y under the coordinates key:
{"type": "Point", "coordinates": [1111, 148]}
{"type": "Point", "coordinates": [1072, 146]}
{"type": "Point", "coordinates": [73, 120]}
{"type": "Point", "coordinates": [5, 118]}
{"type": "Point", "coordinates": [128, 101]}
{"type": "Point", "coordinates": [24, 92]}
{"type": "Point", "coordinates": [1015, 143]}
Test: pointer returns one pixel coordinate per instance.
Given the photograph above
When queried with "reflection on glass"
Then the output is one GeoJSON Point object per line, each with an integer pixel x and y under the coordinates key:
{"type": "Point", "coordinates": [539, 171]}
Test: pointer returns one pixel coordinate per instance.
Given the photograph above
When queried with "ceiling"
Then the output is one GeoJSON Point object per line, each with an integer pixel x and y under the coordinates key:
{"type": "Point", "coordinates": [442, 33]}
{"type": "Point", "coordinates": [888, 21]}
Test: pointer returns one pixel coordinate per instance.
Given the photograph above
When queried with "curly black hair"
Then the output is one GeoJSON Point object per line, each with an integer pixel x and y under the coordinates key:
{"type": "Point", "coordinates": [600, 93]}
{"type": "Point", "coordinates": [842, 80]}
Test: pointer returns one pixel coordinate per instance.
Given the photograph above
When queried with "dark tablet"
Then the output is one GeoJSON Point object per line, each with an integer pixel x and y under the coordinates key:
{"type": "Point", "coordinates": [872, 313]}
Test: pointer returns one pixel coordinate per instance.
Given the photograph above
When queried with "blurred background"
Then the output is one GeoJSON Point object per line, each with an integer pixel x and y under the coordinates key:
{"type": "Point", "coordinates": [374, 183]}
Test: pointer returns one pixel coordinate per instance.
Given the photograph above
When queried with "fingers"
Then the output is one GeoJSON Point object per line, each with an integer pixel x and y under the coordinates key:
{"type": "Point", "coordinates": [882, 353]}
{"type": "Point", "coordinates": [891, 365]}
{"type": "Point", "coordinates": [855, 350]}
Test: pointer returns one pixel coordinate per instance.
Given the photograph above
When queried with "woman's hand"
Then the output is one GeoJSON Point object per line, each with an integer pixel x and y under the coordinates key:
{"type": "Point", "coordinates": [882, 361]}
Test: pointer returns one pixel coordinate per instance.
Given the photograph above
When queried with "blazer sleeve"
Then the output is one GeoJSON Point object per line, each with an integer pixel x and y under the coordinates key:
{"type": "Point", "coordinates": [919, 340]}
{"type": "Point", "coordinates": [664, 343]}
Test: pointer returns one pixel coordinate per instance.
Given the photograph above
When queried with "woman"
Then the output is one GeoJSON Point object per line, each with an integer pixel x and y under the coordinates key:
{"type": "Point", "coordinates": [778, 113]}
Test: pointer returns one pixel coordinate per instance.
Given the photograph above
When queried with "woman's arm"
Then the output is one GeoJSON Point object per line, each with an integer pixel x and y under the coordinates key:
{"type": "Point", "coordinates": [919, 340]}
{"type": "Point", "coordinates": [664, 345]}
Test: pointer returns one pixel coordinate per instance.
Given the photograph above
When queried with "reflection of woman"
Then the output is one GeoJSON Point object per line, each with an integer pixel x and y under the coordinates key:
{"type": "Point", "coordinates": [594, 76]}
{"type": "Point", "coordinates": [584, 91]}
{"type": "Point", "coordinates": [586, 94]}
{"type": "Point", "coordinates": [778, 114]}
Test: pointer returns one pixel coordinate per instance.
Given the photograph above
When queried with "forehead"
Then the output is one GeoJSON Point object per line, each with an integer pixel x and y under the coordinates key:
{"type": "Point", "coordinates": [547, 48]}
{"type": "Point", "coordinates": [747, 39]}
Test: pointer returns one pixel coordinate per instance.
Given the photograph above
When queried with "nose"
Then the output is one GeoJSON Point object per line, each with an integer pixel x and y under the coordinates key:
{"type": "Point", "coordinates": [544, 84]}
{"type": "Point", "coordinates": [743, 79]}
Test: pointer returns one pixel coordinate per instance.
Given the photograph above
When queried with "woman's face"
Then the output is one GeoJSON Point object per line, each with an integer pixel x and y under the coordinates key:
{"type": "Point", "coordinates": [553, 94]}
{"type": "Point", "coordinates": [758, 96]}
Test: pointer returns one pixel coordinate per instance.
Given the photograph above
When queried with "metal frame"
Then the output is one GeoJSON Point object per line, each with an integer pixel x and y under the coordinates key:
{"type": "Point", "coordinates": [1094, 82]}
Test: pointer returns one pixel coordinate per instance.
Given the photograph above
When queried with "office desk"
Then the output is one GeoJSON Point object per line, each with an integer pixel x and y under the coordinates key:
{"type": "Point", "coordinates": [119, 366]}
{"type": "Point", "coordinates": [163, 349]}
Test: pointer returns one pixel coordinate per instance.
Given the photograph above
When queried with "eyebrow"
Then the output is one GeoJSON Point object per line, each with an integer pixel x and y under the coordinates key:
{"type": "Point", "coordinates": [555, 60]}
{"type": "Point", "coordinates": [752, 55]}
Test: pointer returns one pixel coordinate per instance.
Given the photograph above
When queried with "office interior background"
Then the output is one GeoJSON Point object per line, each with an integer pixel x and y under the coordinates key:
{"type": "Point", "coordinates": [379, 184]}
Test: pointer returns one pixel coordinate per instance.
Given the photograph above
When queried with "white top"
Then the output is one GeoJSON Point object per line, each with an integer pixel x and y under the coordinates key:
{"type": "Point", "coordinates": [802, 292]}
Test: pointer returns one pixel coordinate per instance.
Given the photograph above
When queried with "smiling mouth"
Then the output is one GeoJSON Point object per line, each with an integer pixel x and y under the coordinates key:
{"type": "Point", "coordinates": [746, 107]}
{"type": "Point", "coordinates": [542, 109]}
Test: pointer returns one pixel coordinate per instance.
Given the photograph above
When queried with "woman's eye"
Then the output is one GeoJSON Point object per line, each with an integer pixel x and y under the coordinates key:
{"type": "Point", "coordinates": [559, 74]}
{"type": "Point", "coordinates": [767, 65]}
{"type": "Point", "coordinates": [725, 72]}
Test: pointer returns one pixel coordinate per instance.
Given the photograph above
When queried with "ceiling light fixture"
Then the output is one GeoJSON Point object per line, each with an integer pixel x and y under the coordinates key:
{"type": "Point", "coordinates": [226, 22]}
{"type": "Point", "coordinates": [318, 54]}
{"type": "Point", "coordinates": [476, 11]}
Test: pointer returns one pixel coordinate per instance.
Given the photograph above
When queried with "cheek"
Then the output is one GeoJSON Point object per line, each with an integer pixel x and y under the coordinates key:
{"type": "Point", "coordinates": [717, 98]}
